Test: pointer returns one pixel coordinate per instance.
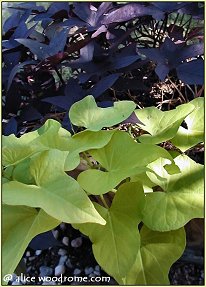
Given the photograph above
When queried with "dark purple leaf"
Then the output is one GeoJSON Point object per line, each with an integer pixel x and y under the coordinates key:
{"type": "Point", "coordinates": [29, 114]}
{"type": "Point", "coordinates": [83, 77]}
{"type": "Point", "coordinates": [73, 22]}
{"type": "Point", "coordinates": [11, 127]}
{"type": "Point", "coordinates": [58, 41]}
{"type": "Point", "coordinates": [72, 94]}
{"type": "Point", "coordinates": [121, 62]}
{"type": "Point", "coordinates": [20, 32]}
{"type": "Point", "coordinates": [17, 69]}
{"type": "Point", "coordinates": [17, 18]}
{"type": "Point", "coordinates": [101, 29]}
{"type": "Point", "coordinates": [104, 84]}
{"type": "Point", "coordinates": [105, 104]}
{"type": "Point", "coordinates": [192, 72]}
{"type": "Point", "coordinates": [170, 55]}
{"type": "Point", "coordinates": [40, 17]}
{"type": "Point", "coordinates": [132, 119]}
{"type": "Point", "coordinates": [39, 49]}
{"type": "Point", "coordinates": [86, 53]}
{"type": "Point", "coordinates": [66, 124]}
{"type": "Point", "coordinates": [12, 21]}
{"type": "Point", "coordinates": [190, 51]}
{"type": "Point", "coordinates": [28, 6]}
{"type": "Point", "coordinates": [35, 35]}
{"type": "Point", "coordinates": [10, 60]}
{"type": "Point", "coordinates": [55, 7]}
{"type": "Point", "coordinates": [103, 8]}
{"type": "Point", "coordinates": [131, 11]}
{"type": "Point", "coordinates": [59, 101]}
{"type": "Point", "coordinates": [162, 70]}
{"type": "Point", "coordinates": [83, 11]}
{"type": "Point", "coordinates": [44, 241]}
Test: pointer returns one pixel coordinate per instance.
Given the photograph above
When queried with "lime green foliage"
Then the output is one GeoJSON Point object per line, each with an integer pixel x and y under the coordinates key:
{"type": "Point", "coordinates": [160, 125]}
{"type": "Point", "coordinates": [84, 141]}
{"type": "Point", "coordinates": [158, 251]}
{"type": "Point", "coordinates": [148, 185]}
{"type": "Point", "coordinates": [194, 134]}
{"type": "Point", "coordinates": [55, 192]}
{"type": "Point", "coordinates": [86, 113]}
{"type": "Point", "coordinates": [20, 225]}
{"type": "Point", "coordinates": [134, 159]}
{"type": "Point", "coordinates": [116, 244]}
{"type": "Point", "coordinates": [183, 198]}
{"type": "Point", "coordinates": [50, 135]}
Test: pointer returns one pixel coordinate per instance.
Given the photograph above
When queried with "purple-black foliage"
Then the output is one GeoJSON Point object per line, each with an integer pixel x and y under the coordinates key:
{"type": "Point", "coordinates": [101, 43]}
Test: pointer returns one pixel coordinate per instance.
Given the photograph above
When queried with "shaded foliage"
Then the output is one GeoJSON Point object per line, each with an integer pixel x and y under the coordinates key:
{"type": "Point", "coordinates": [103, 46]}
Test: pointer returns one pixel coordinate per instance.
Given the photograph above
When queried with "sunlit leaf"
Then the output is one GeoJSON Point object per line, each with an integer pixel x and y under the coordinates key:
{"type": "Point", "coordinates": [122, 157]}
{"type": "Point", "coordinates": [86, 113]}
{"type": "Point", "coordinates": [181, 198]}
{"type": "Point", "coordinates": [194, 134]}
{"type": "Point", "coordinates": [54, 191]}
{"type": "Point", "coordinates": [160, 125]}
{"type": "Point", "coordinates": [116, 244]}
{"type": "Point", "coordinates": [20, 225]}
{"type": "Point", "coordinates": [158, 251]}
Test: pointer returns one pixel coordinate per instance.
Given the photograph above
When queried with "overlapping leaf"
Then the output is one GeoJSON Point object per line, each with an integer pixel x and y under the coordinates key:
{"type": "Point", "coordinates": [170, 55]}
{"type": "Point", "coordinates": [158, 251]}
{"type": "Point", "coordinates": [160, 125]}
{"type": "Point", "coordinates": [116, 244]}
{"type": "Point", "coordinates": [87, 114]}
{"type": "Point", "coordinates": [122, 157]}
{"type": "Point", "coordinates": [54, 191]}
{"type": "Point", "coordinates": [194, 134]}
{"type": "Point", "coordinates": [50, 135]}
{"type": "Point", "coordinates": [20, 225]}
{"type": "Point", "coordinates": [84, 141]}
{"type": "Point", "coordinates": [191, 72]}
{"type": "Point", "coordinates": [182, 197]}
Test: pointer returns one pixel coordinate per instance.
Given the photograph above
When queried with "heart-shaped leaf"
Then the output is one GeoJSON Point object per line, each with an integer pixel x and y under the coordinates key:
{"type": "Point", "coordinates": [194, 134]}
{"type": "Point", "coordinates": [158, 251]}
{"type": "Point", "coordinates": [182, 198]}
{"type": "Point", "coordinates": [86, 113]}
{"type": "Point", "coordinates": [161, 125]}
{"type": "Point", "coordinates": [54, 191]}
{"type": "Point", "coordinates": [119, 238]}
{"type": "Point", "coordinates": [20, 225]}
{"type": "Point", "coordinates": [126, 159]}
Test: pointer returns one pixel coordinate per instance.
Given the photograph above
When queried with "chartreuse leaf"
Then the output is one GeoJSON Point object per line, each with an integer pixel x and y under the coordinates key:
{"type": "Point", "coordinates": [50, 135]}
{"type": "Point", "coordinates": [182, 198]}
{"type": "Point", "coordinates": [122, 157]}
{"type": "Point", "coordinates": [54, 191]}
{"type": "Point", "coordinates": [84, 141]}
{"type": "Point", "coordinates": [20, 225]}
{"type": "Point", "coordinates": [21, 172]}
{"type": "Point", "coordinates": [116, 244]}
{"type": "Point", "coordinates": [14, 150]}
{"type": "Point", "coordinates": [160, 125]}
{"type": "Point", "coordinates": [86, 113]}
{"type": "Point", "coordinates": [158, 251]}
{"type": "Point", "coordinates": [194, 134]}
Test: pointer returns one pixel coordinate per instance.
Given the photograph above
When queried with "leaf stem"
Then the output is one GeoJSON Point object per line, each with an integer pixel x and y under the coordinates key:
{"type": "Point", "coordinates": [104, 201]}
